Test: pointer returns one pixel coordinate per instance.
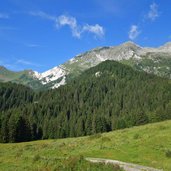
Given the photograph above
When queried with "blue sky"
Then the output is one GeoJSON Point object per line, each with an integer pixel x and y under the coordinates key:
{"type": "Point", "coordinates": [41, 34]}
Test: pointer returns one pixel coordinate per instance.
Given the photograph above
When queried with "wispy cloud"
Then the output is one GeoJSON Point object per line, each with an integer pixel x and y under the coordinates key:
{"type": "Point", "coordinates": [70, 21]}
{"type": "Point", "coordinates": [42, 15]}
{"type": "Point", "coordinates": [134, 32]}
{"type": "Point", "coordinates": [4, 16]}
{"type": "Point", "coordinates": [8, 64]}
{"type": "Point", "coordinates": [18, 64]}
{"type": "Point", "coordinates": [95, 29]}
{"type": "Point", "coordinates": [153, 13]}
{"type": "Point", "coordinates": [27, 63]}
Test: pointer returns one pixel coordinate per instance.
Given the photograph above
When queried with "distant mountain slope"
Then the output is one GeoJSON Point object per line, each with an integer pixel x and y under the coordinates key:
{"type": "Point", "coordinates": [103, 98]}
{"type": "Point", "coordinates": [23, 77]}
{"type": "Point", "coordinates": [152, 60]}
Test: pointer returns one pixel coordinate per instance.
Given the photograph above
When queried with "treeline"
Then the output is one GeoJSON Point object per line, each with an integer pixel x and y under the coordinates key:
{"type": "Point", "coordinates": [106, 97]}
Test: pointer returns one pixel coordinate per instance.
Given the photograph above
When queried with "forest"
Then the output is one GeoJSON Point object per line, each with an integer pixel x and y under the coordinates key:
{"type": "Point", "coordinates": [106, 97]}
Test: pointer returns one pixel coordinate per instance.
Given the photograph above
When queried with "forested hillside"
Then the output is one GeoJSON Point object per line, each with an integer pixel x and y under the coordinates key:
{"type": "Point", "coordinates": [106, 97]}
{"type": "Point", "coordinates": [14, 95]}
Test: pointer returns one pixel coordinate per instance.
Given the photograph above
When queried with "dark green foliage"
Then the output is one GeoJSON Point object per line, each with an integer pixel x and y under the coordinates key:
{"type": "Point", "coordinates": [14, 95]}
{"type": "Point", "coordinates": [106, 97]}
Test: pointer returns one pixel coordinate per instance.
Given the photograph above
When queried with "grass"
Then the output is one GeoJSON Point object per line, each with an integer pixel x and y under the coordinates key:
{"type": "Point", "coordinates": [148, 145]}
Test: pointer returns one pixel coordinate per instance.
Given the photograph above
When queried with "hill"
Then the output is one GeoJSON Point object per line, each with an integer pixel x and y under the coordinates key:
{"type": "Point", "coordinates": [106, 97]}
{"type": "Point", "coordinates": [23, 77]}
{"type": "Point", "coordinates": [147, 145]}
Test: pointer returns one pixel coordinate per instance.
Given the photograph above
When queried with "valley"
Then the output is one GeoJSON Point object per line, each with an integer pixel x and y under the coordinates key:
{"type": "Point", "coordinates": [85, 85]}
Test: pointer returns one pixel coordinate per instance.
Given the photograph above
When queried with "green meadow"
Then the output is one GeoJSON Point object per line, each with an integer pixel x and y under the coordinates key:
{"type": "Point", "coordinates": [148, 145]}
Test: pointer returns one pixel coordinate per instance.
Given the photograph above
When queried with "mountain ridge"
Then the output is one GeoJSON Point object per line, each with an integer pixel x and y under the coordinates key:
{"type": "Point", "coordinates": [149, 59]}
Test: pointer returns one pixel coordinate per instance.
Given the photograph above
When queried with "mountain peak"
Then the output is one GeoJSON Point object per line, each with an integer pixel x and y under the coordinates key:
{"type": "Point", "coordinates": [129, 43]}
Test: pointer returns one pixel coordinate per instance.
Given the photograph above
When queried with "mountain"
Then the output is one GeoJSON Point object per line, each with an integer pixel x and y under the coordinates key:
{"type": "Point", "coordinates": [151, 60]}
{"type": "Point", "coordinates": [106, 97]}
{"type": "Point", "coordinates": [25, 77]}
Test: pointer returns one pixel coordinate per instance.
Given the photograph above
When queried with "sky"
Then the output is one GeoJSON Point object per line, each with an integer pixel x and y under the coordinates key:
{"type": "Point", "coordinates": [41, 34]}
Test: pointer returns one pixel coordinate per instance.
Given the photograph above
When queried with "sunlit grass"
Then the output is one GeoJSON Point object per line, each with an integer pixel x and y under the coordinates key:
{"type": "Point", "coordinates": [148, 145]}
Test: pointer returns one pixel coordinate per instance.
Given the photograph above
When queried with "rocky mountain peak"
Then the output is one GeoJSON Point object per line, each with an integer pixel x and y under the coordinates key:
{"type": "Point", "coordinates": [129, 44]}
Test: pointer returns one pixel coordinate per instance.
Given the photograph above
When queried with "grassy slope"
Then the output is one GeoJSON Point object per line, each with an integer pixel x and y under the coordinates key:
{"type": "Point", "coordinates": [145, 145]}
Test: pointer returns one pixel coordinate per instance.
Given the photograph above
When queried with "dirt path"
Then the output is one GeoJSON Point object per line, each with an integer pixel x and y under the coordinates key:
{"type": "Point", "coordinates": [124, 165]}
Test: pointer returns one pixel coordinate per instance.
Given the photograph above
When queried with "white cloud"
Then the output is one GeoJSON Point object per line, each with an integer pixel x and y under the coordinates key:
{"type": "Point", "coordinates": [78, 30]}
{"type": "Point", "coordinates": [4, 16]}
{"type": "Point", "coordinates": [70, 21]}
{"type": "Point", "coordinates": [153, 13]}
{"type": "Point", "coordinates": [134, 32]}
{"type": "Point", "coordinates": [96, 29]}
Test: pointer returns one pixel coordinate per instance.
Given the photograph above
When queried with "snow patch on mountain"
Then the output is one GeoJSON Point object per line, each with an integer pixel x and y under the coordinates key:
{"type": "Point", "coordinates": [51, 75]}
{"type": "Point", "coordinates": [36, 75]}
{"type": "Point", "coordinates": [62, 82]}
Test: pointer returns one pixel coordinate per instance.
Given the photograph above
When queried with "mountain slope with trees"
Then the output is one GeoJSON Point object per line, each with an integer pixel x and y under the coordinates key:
{"type": "Point", "coordinates": [106, 97]}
